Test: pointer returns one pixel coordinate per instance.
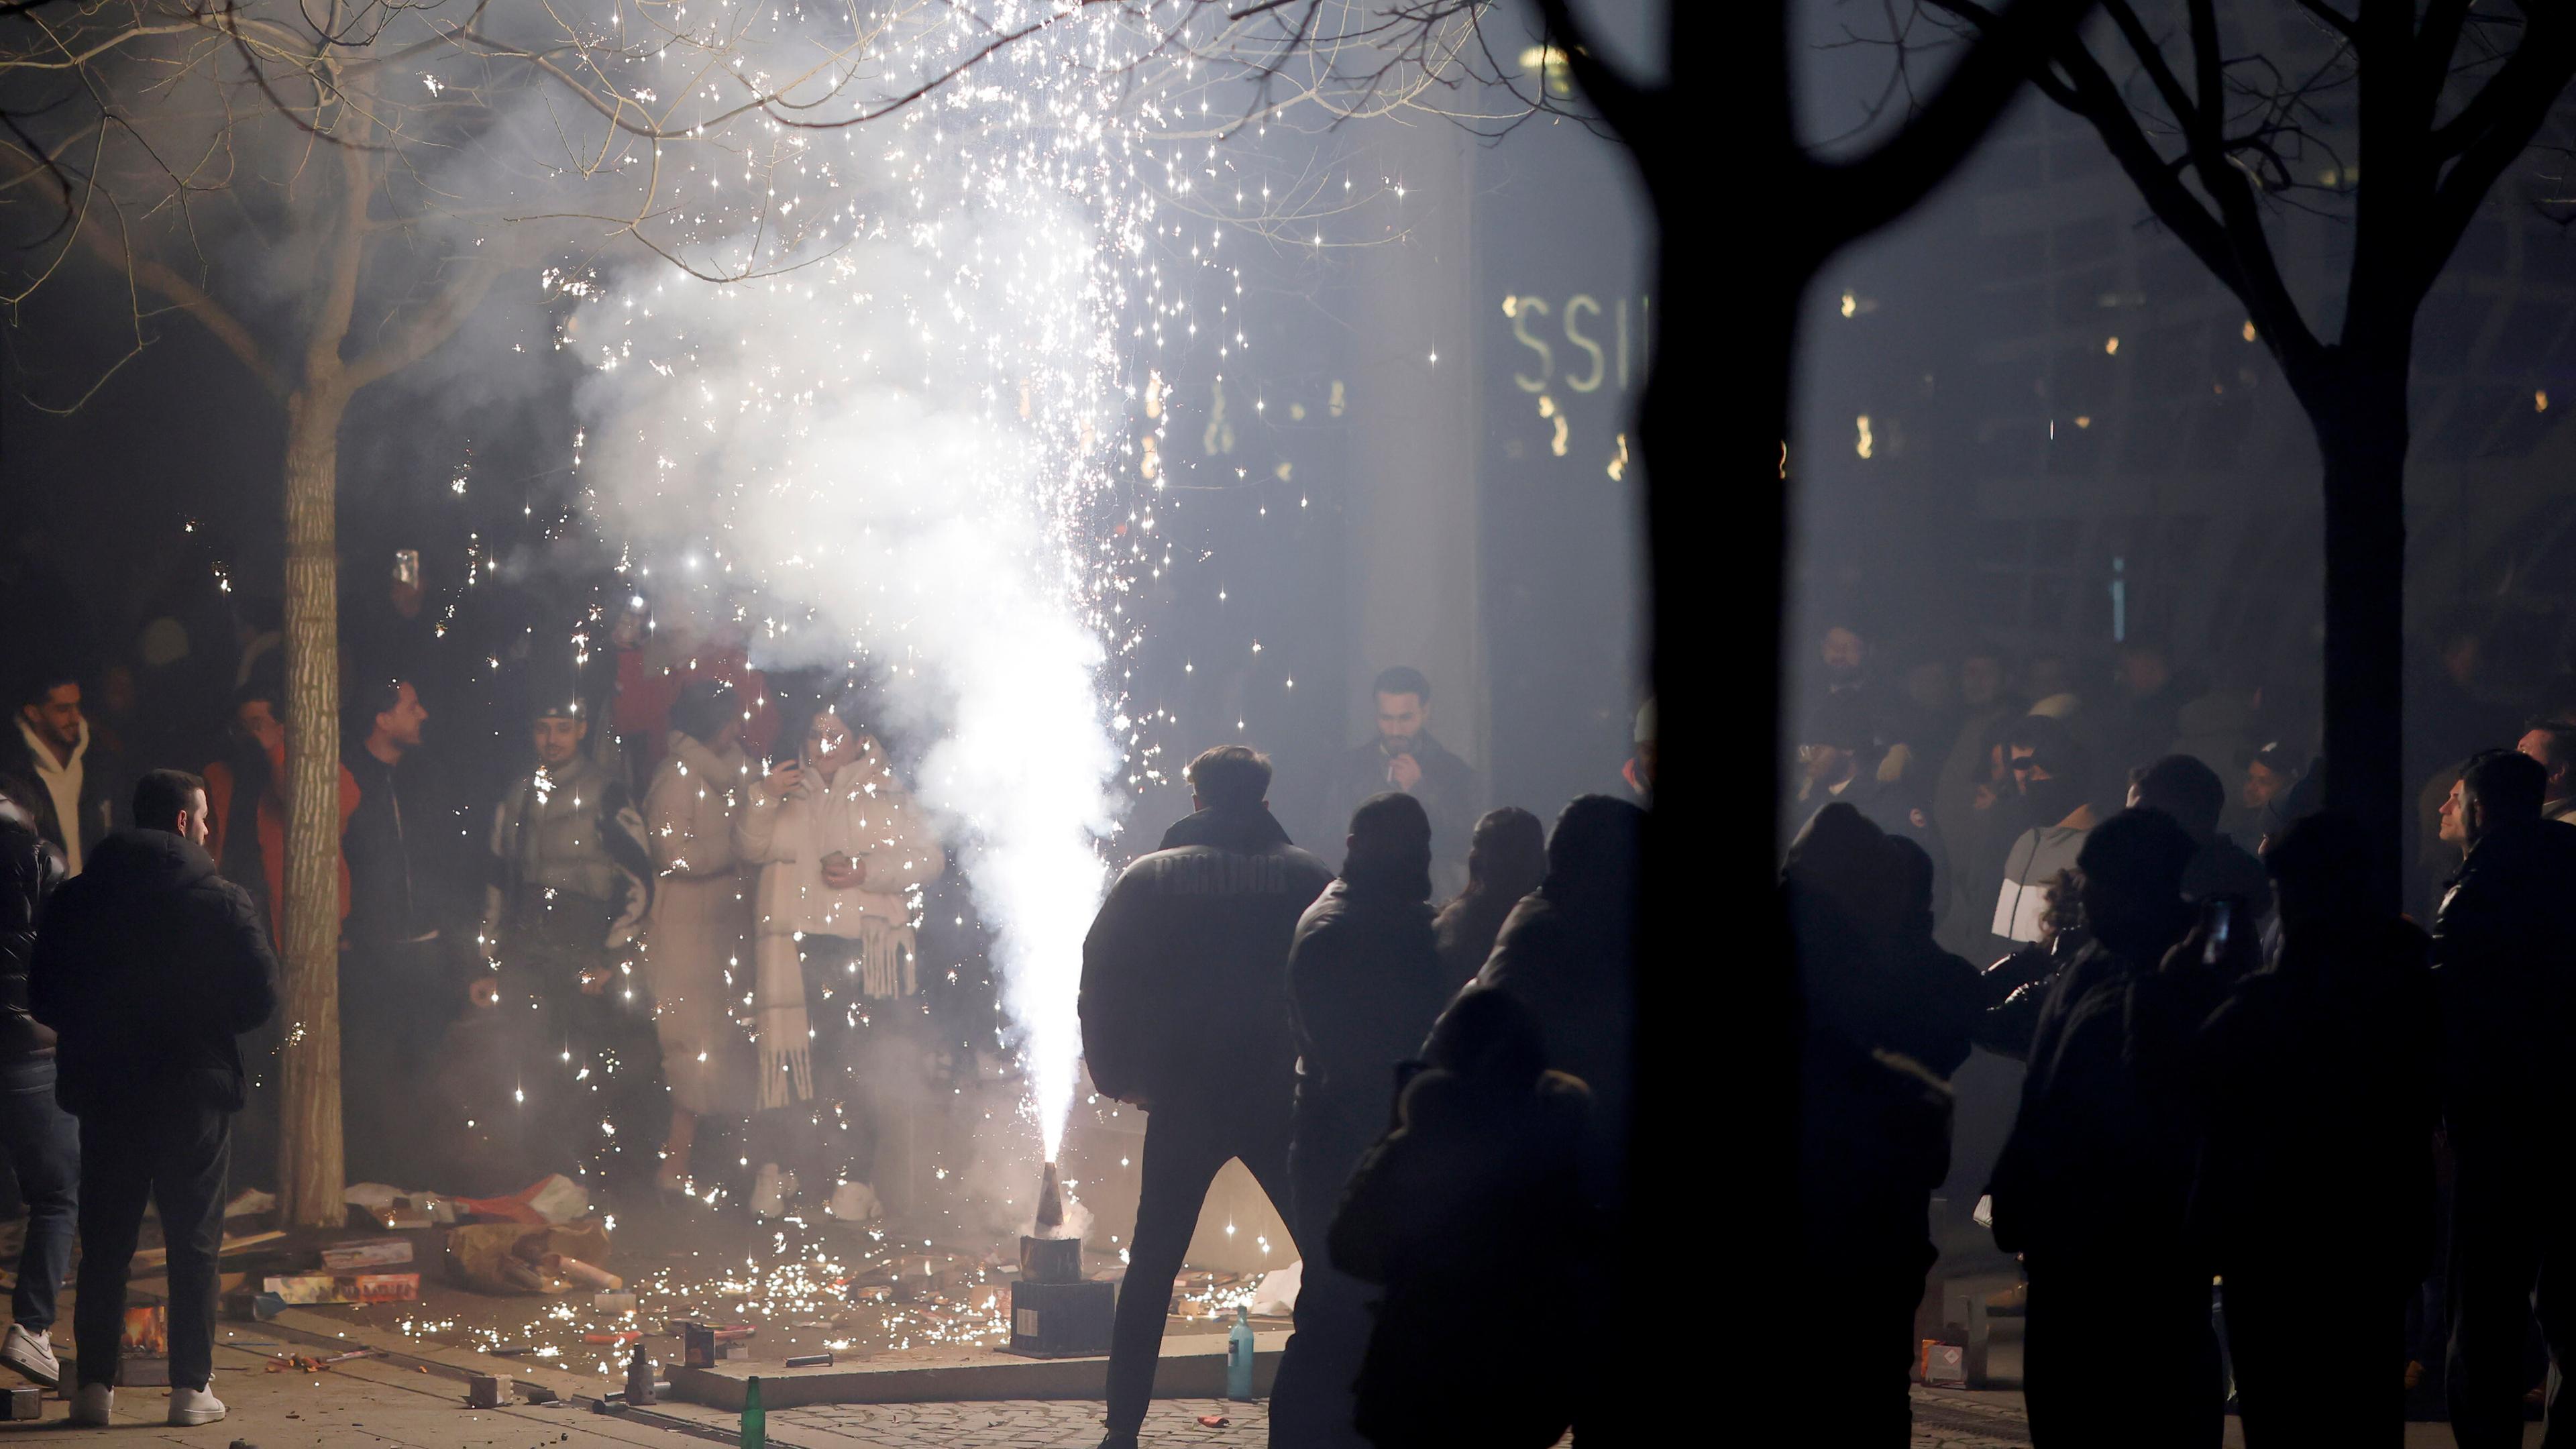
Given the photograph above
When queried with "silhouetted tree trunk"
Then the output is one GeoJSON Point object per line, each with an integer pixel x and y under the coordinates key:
{"type": "Point", "coordinates": [1712, 435]}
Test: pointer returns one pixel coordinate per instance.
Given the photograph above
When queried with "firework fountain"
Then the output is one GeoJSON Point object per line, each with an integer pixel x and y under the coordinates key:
{"type": "Point", "coordinates": [881, 417]}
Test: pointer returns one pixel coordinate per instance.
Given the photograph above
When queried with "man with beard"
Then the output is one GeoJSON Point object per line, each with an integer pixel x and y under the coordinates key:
{"type": "Point", "coordinates": [48, 767]}
{"type": "Point", "coordinates": [1405, 758]}
{"type": "Point", "coordinates": [571, 880]}
{"type": "Point", "coordinates": [1194, 933]}
{"type": "Point", "coordinates": [1365, 985]}
{"type": "Point", "coordinates": [2048, 774]}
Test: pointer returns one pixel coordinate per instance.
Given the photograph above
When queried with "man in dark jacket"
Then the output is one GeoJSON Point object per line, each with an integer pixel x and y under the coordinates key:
{"type": "Point", "coordinates": [2318, 1092]}
{"type": "Point", "coordinates": [2504, 948]}
{"type": "Point", "coordinates": [148, 966]}
{"type": "Point", "coordinates": [2093, 1184]}
{"type": "Point", "coordinates": [2193, 795]}
{"type": "Point", "coordinates": [1185, 1014]}
{"type": "Point", "coordinates": [1405, 757]}
{"type": "Point", "coordinates": [396, 991]}
{"type": "Point", "coordinates": [42, 1145]}
{"type": "Point", "coordinates": [1365, 986]}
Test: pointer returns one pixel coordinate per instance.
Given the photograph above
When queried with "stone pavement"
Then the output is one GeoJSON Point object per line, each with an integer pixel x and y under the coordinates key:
{"type": "Point", "coordinates": [352, 1404]}
{"type": "Point", "coordinates": [1013, 1424]}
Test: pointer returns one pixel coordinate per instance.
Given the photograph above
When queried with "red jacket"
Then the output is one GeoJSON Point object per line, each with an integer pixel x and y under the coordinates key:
{"type": "Point", "coordinates": [272, 831]}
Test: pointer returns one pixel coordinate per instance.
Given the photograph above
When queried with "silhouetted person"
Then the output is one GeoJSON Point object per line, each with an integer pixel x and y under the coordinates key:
{"type": "Point", "coordinates": [1506, 859]}
{"type": "Point", "coordinates": [1365, 985]}
{"type": "Point", "coordinates": [2315, 1195]}
{"type": "Point", "coordinates": [1567, 951]}
{"type": "Point", "coordinates": [39, 1138]}
{"type": "Point", "coordinates": [2093, 1183]}
{"type": "Point", "coordinates": [2504, 945]}
{"type": "Point", "coordinates": [1445, 1212]}
{"type": "Point", "coordinates": [1195, 933]}
{"type": "Point", "coordinates": [2191, 792]}
{"type": "Point", "coordinates": [1838, 761]}
{"type": "Point", "coordinates": [1887, 1016]}
{"type": "Point", "coordinates": [147, 967]}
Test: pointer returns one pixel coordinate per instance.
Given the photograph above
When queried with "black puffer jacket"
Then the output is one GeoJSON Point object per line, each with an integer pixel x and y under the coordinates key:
{"type": "Point", "coordinates": [148, 964]}
{"type": "Point", "coordinates": [29, 870]}
{"type": "Point", "coordinates": [2504, 962]}
{"type": "Point", "coordinates": [1185, 972]}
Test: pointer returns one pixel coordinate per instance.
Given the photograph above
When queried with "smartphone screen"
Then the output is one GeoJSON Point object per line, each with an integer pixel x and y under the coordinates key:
{"type": "Point", "coordinates": [2221, 921]}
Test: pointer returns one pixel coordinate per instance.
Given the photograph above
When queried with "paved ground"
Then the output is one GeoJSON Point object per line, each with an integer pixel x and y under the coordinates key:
{"type": "Point", "coordinates": [354, 1404]}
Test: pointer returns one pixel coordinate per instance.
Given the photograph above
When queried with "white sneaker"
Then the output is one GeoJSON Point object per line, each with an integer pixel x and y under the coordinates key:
{"type": "Point", "coordinates": [195, 1406]}
{"type": "Point", "coordinates": [32, 1354]}
{"type": "Point", "coordinates": [769, 1191]}
{"type": "Point", "coordinates": [93, 1404]}
{"type": "Point", "coordinates": [856, 1203]}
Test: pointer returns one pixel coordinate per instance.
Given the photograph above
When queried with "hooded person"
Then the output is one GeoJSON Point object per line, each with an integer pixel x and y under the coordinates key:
{"type": "Point", "coordinates": [1566, 952]}
{"type": "Point", "coordinates": [2051, 798]}
{"type": "Point", "coordinates": [570, 882]}
{"type": "Point", "coordinates": [1195, 932]}
{"type": "Point", "coordinates": [1888, 1015]}
{"type": "Point", "coordinates": [701, 921]}
{"type": "Point", "coordinates": [1364, 987]}
{"type": "Point", "coordinates": [2094, 1183]}
{"type": "Point", "coordinates": [1485, 1159]}
{"type": "Point", "coordinates": [843, 851]}
{"type": "Point", "coordinates": [1506, 859]}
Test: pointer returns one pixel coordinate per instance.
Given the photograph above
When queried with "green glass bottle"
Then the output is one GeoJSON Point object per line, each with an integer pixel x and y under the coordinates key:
{"type": "Point", "coordinates": [755, 1420]}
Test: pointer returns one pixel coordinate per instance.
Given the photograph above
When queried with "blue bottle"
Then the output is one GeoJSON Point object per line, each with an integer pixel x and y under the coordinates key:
{"type": "Point", "coordinates": [1238, 1356]}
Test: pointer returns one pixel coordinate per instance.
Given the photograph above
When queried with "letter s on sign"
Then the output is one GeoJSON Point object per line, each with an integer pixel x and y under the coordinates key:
{"type": "Point", "coordinates": [1522, 307]}
{"type": "Point", "coordinates": [1580, 302]}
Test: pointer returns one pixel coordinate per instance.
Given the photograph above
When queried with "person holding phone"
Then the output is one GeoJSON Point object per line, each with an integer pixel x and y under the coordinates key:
{"type": "Point", "coordinates": [842, 850]}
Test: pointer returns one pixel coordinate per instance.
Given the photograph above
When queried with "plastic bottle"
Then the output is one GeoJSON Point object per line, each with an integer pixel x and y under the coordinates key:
{"type": "Point", "coordinates": [1238, 1356]}
{"type": "Point", "coordinates": [755, 1421]}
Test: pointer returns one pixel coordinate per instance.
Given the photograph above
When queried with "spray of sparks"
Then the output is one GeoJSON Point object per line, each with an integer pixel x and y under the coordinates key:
{"type": "Point", "coordinates": [887, 413]}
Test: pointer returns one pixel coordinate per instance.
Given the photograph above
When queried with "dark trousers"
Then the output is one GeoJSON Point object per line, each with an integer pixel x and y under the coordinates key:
{"type": "Point", "coordinates": [2120, 1355]}
{"type": "Point", "coordinates": [2509, 1231]}
{"type": "Point", "coordinates": [1855, 1331]}
{"type": "Point", "coordinates": [1315, 1400]}
{"type": "Point", "coordinates": [395, 1003]}
{"type": "Point", "coordinates": [590, 1065]}
{"type": "Point", "coordinates": [43, 1144]}
{"type": "Point", "coordinates": [172, 1156]}
{"type": "Point", "coordinates": [2312, 1345]}
{"type": "Point", "coordinates": [1184, 1148]}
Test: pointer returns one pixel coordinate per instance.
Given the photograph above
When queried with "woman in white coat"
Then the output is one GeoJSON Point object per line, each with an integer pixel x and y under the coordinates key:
{"type": "Point", "coordinates": [701, 924]}
{"type": "Point", "coordinates": [843, 852]}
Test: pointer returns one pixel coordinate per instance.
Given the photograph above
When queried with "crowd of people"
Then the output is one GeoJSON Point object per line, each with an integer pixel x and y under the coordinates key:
{"type": "Point", "coordinates": [1429, 1084]}
{"type": "Point", "coordinates": [2237, 1073]}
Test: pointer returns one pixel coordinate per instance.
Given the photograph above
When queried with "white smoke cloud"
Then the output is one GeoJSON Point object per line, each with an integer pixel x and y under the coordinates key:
{"type": "Point", "coordinates": [888, 455]}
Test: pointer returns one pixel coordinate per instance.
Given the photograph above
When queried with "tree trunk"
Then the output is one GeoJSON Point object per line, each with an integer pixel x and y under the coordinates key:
{"type": "Point", "coordinates": [2361, 427]}
{"type": "Point", "coordinates": [309, 1145]}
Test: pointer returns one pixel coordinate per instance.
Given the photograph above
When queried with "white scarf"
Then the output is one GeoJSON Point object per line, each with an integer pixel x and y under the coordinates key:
{"type": "Point", "coordinates": [885, 946]}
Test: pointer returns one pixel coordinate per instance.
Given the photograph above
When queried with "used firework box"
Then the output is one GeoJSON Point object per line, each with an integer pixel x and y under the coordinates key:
{"type": "Point", "coordinates": [367, 1253]}
{"type": "Point", "coordinates": [346, 1287]}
